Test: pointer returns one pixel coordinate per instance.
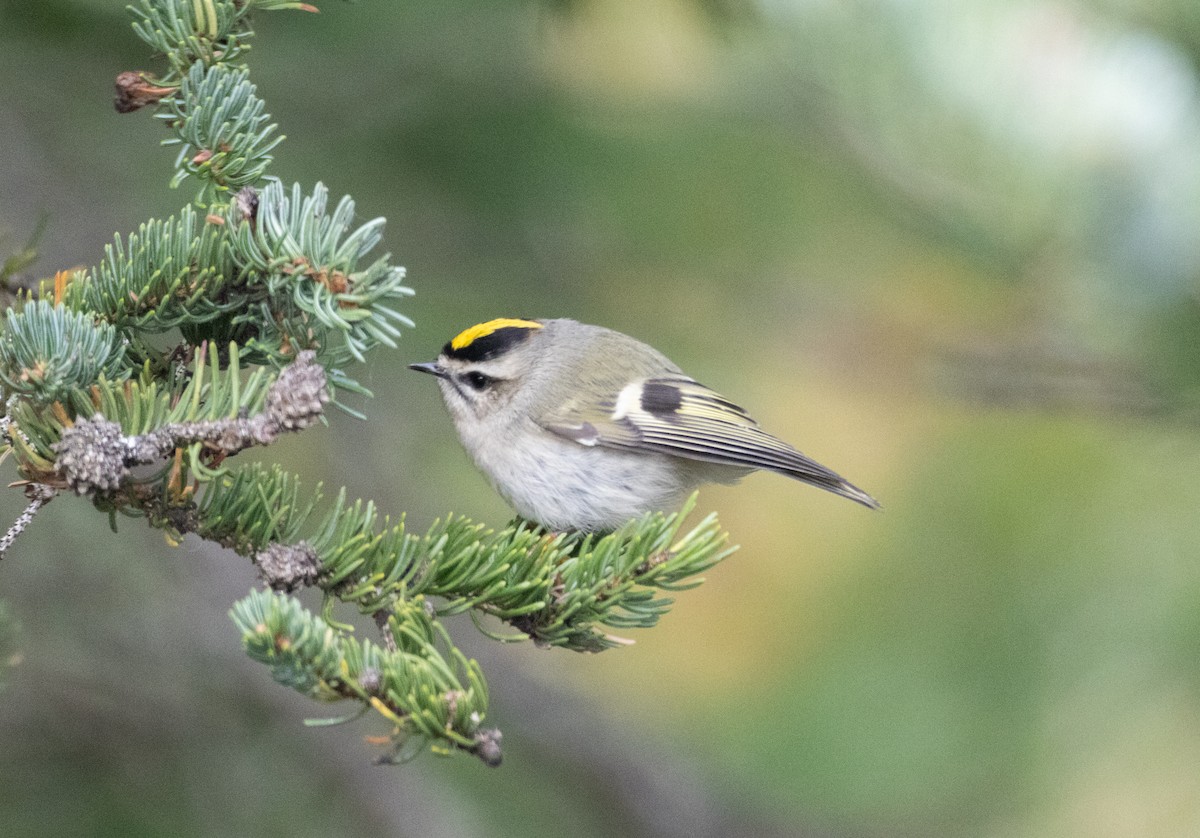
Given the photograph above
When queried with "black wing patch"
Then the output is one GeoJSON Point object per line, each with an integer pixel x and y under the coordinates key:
{"type": "Point", "coordinates": [680, 417]}
{"type": "Point", "coordinates": [662, 398]}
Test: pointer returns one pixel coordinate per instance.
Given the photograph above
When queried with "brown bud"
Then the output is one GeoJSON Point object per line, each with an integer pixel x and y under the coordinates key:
{"type": "Point", "coordinates": [135, 91]}
{"type": "Point", "coordinates": [247, 203]}
{"type": "Point", "coordinates": [487, 747]}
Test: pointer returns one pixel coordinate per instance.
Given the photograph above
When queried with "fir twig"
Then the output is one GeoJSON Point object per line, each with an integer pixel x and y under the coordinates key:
{"type": "Point", "coordinates": [136, 382]}
{"type": "Point", "coordinates": [423, 693]}
{"type": "Point", "coordinates": [39, 495]}
{"type": "Point", "coordinates": [222, 128]}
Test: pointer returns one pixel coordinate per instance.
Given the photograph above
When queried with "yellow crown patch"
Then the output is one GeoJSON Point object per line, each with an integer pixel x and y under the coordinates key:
{"type": "Point", "coordinates": [468, 336]}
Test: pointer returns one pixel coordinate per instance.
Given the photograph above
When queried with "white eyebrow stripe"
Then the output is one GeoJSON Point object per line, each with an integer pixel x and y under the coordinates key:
{"type": "Point", "coordinates": [628, 401]}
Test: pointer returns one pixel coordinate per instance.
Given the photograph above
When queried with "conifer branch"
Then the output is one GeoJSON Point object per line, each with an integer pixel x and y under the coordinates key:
{"type": "Point", "coordinates": [135, 383]}
{"type": "Point", "coordinates": [220, 125]}
{"type": "Point", "coordinates": [169, 274]}
{"type": "Point", "coordinates": [423, 686]}
{"type": "Point", "coordinates": [39, 496]}
{"type": "Point", "coordinates": [47, 353]}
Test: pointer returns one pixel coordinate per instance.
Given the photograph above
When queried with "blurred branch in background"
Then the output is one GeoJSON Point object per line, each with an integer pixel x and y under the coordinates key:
{"type": "Point", "coordinates": [1042, 141]}
{"type": "Point", "coordinates": [10, 643]}
{"type": "Point", "coordinates": [1176, 22]}
{"type": "Point", "coordinates": [15, 276]}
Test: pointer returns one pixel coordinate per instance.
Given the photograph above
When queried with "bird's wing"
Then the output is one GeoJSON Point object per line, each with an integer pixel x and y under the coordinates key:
{"type": "Point", "coordinates": [676, 415]}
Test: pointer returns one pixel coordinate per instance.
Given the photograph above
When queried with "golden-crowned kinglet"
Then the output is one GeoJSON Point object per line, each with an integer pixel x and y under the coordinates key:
{"type": "Point", "coordinates": [582, 428]}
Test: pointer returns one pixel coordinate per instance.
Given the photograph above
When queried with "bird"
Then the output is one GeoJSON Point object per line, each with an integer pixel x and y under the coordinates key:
{"type": "Point", "coordinates": [581, 427]}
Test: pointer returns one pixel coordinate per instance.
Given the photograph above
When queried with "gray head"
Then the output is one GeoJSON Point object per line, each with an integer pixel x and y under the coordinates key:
{"type": "Point", "coordinates": [481, 369]}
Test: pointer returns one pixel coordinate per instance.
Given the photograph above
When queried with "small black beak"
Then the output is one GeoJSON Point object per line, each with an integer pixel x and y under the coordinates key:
{"type": "Point", "coordinates": [433, 368]}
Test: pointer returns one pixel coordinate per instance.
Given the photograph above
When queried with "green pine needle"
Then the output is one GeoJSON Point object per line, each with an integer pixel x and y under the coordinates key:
{"type": "Point", "coordinates": [220, 124]}
{"type": "Point", "coordinates": [166, 275]}
{"type": "Point", "coordinates": [48, 352]}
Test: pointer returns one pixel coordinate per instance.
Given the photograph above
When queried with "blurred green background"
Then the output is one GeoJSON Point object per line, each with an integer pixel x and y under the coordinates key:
{"type": "Point", "coordinates": [947, 247]}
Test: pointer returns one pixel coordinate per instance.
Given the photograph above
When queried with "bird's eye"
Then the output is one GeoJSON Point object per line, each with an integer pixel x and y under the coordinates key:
{"type": "Point", "coordinates": [477, 380]}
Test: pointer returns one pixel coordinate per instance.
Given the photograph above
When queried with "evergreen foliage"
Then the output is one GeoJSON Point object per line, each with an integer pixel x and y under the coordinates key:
{"type": "Point", "coordinates": [134, 383]}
